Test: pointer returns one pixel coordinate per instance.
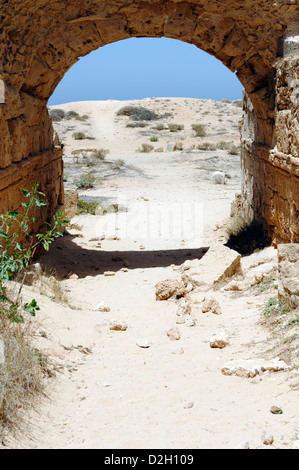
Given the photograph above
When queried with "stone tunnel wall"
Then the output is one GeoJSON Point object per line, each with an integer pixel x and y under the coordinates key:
{"type": "Point", "coordinates": [270, 175]}
{"type": "Point", "coordinates": [257, 40]}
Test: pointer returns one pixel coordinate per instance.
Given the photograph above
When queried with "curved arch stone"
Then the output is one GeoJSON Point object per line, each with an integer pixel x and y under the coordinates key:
{"type": "Point", "coordinates": [258, 40]}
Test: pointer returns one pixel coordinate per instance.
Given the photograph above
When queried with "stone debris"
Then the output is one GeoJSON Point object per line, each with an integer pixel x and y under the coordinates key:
{"type": "Point", "coordinates": [170, 288]}
{"type": "Point", "coordinates": [181, 320]}
{"type": "Point", "coordinates": [102, 307]}
{"type": "Point", "coordinates": [288, 269]}
{"type": "Point", "coordinates": [109, 273]}
{"type": "Point", "coordinates": [267, 438]}
{"type": "Point", "coordinates": [216, 266]}
{"type": "Point", "coordinates": [219, 340]}
{"type": "Point", "coordinates": [243, 445]}
{"type": "Point", "coordinates": [234, 286]}
{"type": "Point", "coordinates": [253, 367]}
{"type": "Point", "coordinates": [211, 305]}
{"type": "Point", "coordinates": [218, 177]}
{"type": "Point", "coordinates": [190, 322]}
{"type": "Point", "coordinates": [275, 410]}
{"type": "Point", "coordinates": [143, 343]}
{"type": "Point", "coordinates": [118, 325]}
{"type": "Point", "coordinates": [73, 276]}
{"type": "Point", "coordinates": [184, 308]}
{"type": "Point", "coordinates": [174, 334]}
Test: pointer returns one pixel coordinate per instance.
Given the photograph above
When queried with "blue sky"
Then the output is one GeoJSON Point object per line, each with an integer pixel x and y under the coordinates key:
{"type": "Point", "coordinates": [142, 68]}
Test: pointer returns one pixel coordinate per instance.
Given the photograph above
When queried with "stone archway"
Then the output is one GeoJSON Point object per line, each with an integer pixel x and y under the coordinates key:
{"type": "Point", "coordinates": [256, 39]}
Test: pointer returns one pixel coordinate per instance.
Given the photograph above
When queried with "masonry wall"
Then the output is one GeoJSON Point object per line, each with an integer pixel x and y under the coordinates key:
{"type": "Point", "coordinates": [270, 173]}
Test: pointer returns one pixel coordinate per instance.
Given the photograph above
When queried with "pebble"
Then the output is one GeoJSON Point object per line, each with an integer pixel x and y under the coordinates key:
{"type": "Point", "coordinates": [117, 325]}
{"type": "Point", "coordinates": [219, 340]}
{"type": "Point", "coordinates": [102, 307]}
{"type": "Point", "coordinates": [267, 439]}
{"type": "Point", "coordinates": [243, 445]}
{"type": "Point", "coordinates": [173, 334]}
{"type": "Point", "coordinates": [109, 273]}
{"type": "Point", "coordinates": [275, 410]}
{"type": "Point", "coordinates": [143, 343]}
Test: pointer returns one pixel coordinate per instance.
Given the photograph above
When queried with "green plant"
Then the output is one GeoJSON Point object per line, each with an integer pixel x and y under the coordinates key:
{"type": "Point", "coordinates": [85, 181]}
{"type": "Point", "coordinates": [154, 139]}
{"type": "Point", "coordinates": [87, 207]}
{"type": "Point", "coordinates": [206, 146]}
{"type": "Point", "coordinates": [175, 127]}
{"type": "Point", "coordinates": [146, 148]}
{"type": "Point", "coordinates": [79, 135]}
{"type": "Point", "coordinates": [199, 130]}
{"type": "Point", "coordinates": [15, 257]}
{"type": "Point", "coordinates": [100, 154]}
{"type": "Point", "coordinates": [21, 372]}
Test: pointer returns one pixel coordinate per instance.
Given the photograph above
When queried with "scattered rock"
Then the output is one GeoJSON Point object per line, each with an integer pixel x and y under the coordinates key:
{"type": "Point", "coordinates": [170, 288]}
{"type": "Point", "coordinates": [288, 269]}
{"type": "Point", "coordinates": [211, 305]}
{"type": "Point", "coordinates": [275, 410]}
{"type": "Point", "coordinates": [117, 325]}
{"type": "Point", "coordinates": [143, 343]}
{"type": "Point", "coordinates": [181, 320]}
{"type": "Point", "coordinates": [188, 406]}
{"type": "Point", "coordinates": [124, 270]}
{"type": "Point", "coordinates": [170, 147]}
{"type": "Point", "coordinates": [253, 367]}
{"type": "Point", "coordinates": [191, 322]}
{"type": "Point", "coordinates": [107, 384]}
{"type": "Point", "coordinates": [126, 263]}
{"type": "Point", "coordinates": [234, 286]}
{"type": "Point", "coordinates": [102, 307]}
{"type": "Point", "coordinates": [174, 334]}
{"type": "Point", "coordinates": [73, 276]}
{"type": "Point", "coordinates": [267, 438]}
{"type": "Point", "coordinates": [184, 308]}
{"type": "Point", "coordinates": [243, 445]}
{"type": "Point", "coordinates": [219, 340]}
{"type": "Point", "coordinates": [178, 351]}
{"type": "Point", "coordinates": [218, 177]}
{"type": "Point", "coordinates": [216, 266]}
{"type": "Point", "coordinates": [109, 273]}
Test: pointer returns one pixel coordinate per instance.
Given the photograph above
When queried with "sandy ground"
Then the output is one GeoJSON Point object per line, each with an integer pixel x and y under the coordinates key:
{"type": "Point", "coordinates": [107, 392]}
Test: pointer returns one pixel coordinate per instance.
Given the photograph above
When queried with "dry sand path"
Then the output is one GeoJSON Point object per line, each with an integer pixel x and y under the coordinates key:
{"type": "Point", "coordinates": [109, 393]}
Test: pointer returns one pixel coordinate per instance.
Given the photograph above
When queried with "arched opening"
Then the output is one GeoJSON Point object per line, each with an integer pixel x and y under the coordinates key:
{"type": "Point", "coordinates": [176, 138]}
{"type": "Point", "coordinates": [45, 42]}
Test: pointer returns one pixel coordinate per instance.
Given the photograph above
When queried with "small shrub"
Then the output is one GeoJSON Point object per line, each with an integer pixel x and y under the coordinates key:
{"type": "Point", "coordinates": [222, 145]}
{"type": "Point", "coordinates": [199, 130]}
{"type": "Point", "coordinates": [87, 207]}
{"type": "Point", "coordinates": [146, 148]}
{"type": "Point", "coordinates": [175, 127]}
{"type": "Point", "coordinates": [79, 135]}
{"type": "Point", "coordinates": [57, 114]}
{"type": "Point", "coordinates": [118, 164]}
{"type": "Point", "coordinates": [100, 154]}
{"type": "Point", "coordinates": [135, 124]}
{"type": "Point", "coordinates": [206, 146]}
{"type": "Point", "coordinates": [85, 181]}
{"type": "Point", "coordinates": [234, 150]}
{"type": "Point", "coordinates": [138, 113]}
{"type": "Point", "coordinates": [160, 127]}
{"type": "Point", "coordinates": [154, 139]}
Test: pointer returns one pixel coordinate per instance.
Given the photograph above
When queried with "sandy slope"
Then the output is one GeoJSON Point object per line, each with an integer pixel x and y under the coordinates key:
{"type": "Point", "coordinates": [109, 393]}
